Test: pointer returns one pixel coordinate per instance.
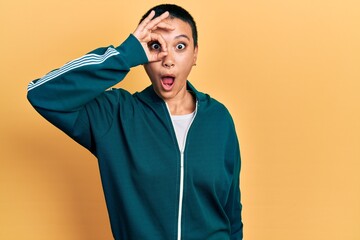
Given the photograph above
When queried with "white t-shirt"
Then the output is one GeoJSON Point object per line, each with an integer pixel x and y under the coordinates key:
{"type": "Point", "coordinates": [181, 125]}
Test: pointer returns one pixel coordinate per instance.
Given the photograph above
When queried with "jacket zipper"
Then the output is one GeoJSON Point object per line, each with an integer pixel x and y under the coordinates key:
{"type": "Point", "coordinates": [181, 189]}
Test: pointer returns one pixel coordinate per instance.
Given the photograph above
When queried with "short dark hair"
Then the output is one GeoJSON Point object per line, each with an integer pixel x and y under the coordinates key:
{"type": "Point", "coordinates": [175, 11]}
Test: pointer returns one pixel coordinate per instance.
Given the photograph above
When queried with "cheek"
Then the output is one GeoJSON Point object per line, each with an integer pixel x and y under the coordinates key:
{"type": "Point", "coordinates": [150, 69]}
{"type": "Point", "coordinates": [187, 64]}
{"type": "Point", "coordinates": [190, 59]}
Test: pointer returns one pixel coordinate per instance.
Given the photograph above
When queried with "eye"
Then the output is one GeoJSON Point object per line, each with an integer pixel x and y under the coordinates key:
{"type": "Point", "coordinates": [155, 46]}
{"type": "Point", "coordinates": [180, 46]}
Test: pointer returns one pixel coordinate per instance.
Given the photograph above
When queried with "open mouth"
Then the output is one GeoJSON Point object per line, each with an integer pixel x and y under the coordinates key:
{"type": "Point", "coordinates": [167, 82]}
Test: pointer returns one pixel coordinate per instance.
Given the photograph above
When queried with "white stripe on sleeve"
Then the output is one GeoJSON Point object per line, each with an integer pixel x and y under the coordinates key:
{"type": "Point", "coordinates": [88, 59]}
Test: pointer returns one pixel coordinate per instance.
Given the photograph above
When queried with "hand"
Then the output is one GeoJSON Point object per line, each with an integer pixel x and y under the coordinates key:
{"type": "Point", "coordinates": [144, 33]}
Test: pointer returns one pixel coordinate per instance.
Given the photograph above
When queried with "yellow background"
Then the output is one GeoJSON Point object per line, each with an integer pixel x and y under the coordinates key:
{"type": "Point", "coordinates": [288, 70]}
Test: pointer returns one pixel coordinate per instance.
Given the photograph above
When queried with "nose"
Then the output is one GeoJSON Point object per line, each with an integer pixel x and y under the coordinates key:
{"type": "Point", "coordinates": [168, 61]}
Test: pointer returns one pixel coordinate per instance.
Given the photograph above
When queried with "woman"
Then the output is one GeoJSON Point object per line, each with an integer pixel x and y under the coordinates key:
{"type": "Point", "coordinates": [168, 156]}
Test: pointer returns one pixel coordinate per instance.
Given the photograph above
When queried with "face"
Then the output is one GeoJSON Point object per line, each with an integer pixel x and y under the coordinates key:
{"type": "Point", "coordinates": [169, 75]}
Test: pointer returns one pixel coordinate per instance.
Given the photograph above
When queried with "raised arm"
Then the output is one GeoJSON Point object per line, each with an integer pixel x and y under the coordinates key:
{"type": "Point", "coordinates": [62, 95]}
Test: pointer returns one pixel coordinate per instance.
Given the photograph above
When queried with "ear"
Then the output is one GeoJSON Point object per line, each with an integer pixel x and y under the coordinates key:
{"type": "Point", "coordinates": [196, 49]}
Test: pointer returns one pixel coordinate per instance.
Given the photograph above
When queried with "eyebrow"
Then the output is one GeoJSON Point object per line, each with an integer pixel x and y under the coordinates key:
{"type": "Point", "coordinates": [182, 35]}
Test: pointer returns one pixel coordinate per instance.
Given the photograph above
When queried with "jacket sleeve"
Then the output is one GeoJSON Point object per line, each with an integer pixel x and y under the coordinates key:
{"type": "Point", "coordinates": [62, 95]}
{"type": "Point", "coordinates": [234, 207]}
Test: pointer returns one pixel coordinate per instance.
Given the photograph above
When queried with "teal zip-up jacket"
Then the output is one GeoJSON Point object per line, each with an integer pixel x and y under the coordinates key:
{"type": "Point", "coordinates": [148, 194]}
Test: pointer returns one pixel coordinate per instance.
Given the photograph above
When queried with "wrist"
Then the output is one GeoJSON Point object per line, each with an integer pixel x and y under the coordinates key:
{"type": "Point", "coordinates": [132, 51]}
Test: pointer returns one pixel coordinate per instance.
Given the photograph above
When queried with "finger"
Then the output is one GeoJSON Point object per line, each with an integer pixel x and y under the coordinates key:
{"type": "Point", "coordinates": [146, 21]}
{"type": "Point", "coordinates": [164, 26]}
{"type": "Point", "coordinates": [151, 24]}
{"type": "Point", "coordinates": [161, 55]}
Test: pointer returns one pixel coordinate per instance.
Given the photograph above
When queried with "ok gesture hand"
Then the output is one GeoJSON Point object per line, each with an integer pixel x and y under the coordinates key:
{"type": "Point", "coordinates": [144, 33]}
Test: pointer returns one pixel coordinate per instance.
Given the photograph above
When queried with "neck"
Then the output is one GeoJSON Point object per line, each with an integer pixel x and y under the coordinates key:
{"type": "Point", "coordinates": [182, 105]}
